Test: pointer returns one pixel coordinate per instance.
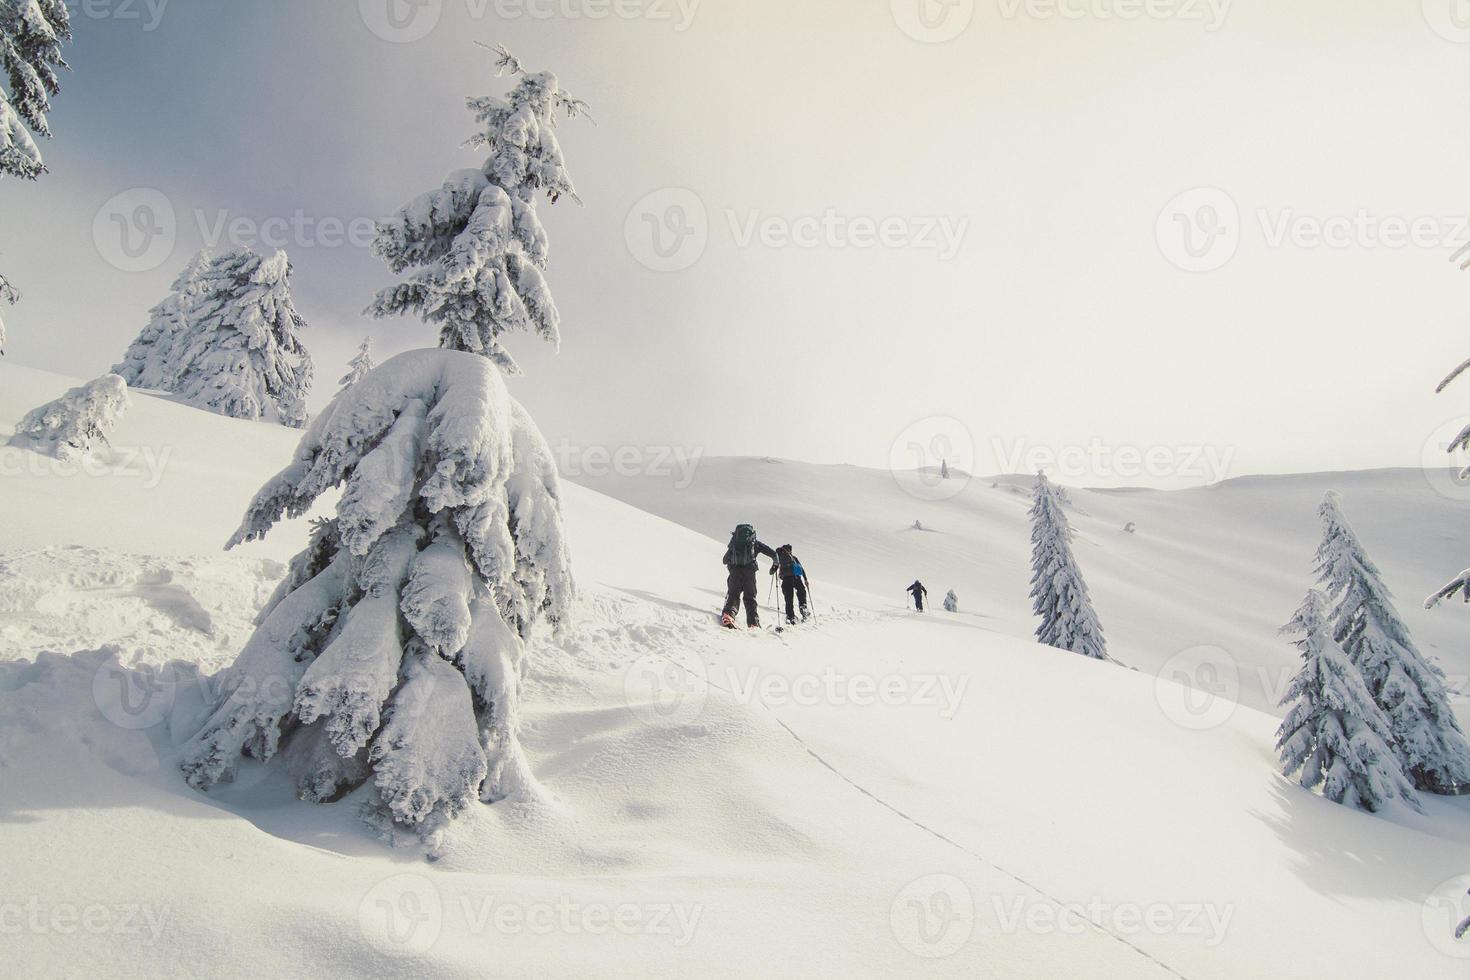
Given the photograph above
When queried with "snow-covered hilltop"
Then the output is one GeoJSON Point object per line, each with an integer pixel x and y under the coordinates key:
{"type": "Point", "coordinates": [887, 794]}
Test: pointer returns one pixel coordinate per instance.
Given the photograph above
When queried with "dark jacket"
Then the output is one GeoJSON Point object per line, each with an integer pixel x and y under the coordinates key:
{"type": "Point", "coordinates": [917, 589]}
{"type": "Point", "coordinates": [760, 549]}
{"type": "Point", "coordinates": [785, 560]}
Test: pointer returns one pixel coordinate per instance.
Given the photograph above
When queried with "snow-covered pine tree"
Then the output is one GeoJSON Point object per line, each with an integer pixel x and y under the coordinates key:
{"type": "Point", "coordinates": [1058, 592]}
{"type": "Point", "coordinates": [473, 251]}
{"type": "Point", "coordinates": [1408, 687]}
{"type": "Point", "coordinates": [68, 427]}
{"type": "Point", "coordinates": [951, 602]}
{"type": "Point", "coordinates": [393, 651]}
{"type": "Point", "coordinates": [1334, 734]}
{"type": "Point", "coordinates": [151, 360]}
{"type": "Point", "coordinates": [31, 35]}
{"type": "Point", "coordinates": [944, 469]}
{"type": "Point", "coordinates": [361, 364]}
{"type": "Point", "coordinates": [242, 355]}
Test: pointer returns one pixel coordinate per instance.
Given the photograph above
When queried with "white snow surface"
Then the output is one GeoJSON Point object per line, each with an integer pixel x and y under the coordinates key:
{"type": "Point", "coordinates": [886, 794]}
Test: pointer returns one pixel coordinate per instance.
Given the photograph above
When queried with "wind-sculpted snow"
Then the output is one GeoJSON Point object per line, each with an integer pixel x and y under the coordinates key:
{"type": "Point", "coordinates": [408, 640]}
{"type": "Point", "coordinates": [70, 427]}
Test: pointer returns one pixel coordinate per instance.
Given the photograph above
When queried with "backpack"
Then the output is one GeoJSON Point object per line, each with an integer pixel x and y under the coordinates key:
{"type": "Point", "coordinates": [742, 545]}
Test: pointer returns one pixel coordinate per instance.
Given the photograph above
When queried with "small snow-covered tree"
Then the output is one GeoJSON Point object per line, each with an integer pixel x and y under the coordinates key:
{"type": "Point", "coordinates": [473, 252]}
{"type": "Point", "coordinates": [393, 651]}
{"type": "Point", "coordinates": [1408, 687]}
{"type": "Point", "coordinates": [951, 602]}
{"type": "Point", "coordinates": [944, 469]}
{"type": "Point", "coordinates": [361, 364]}
{"type": "Point", "coordinates": [31, 35]}
{"type": "Point", "coordinates": [68, 427]}
{"type": "Point", "coordinates": [151, 360]}
{"type": "Point", "coordinates": [242, 355]}
{"type": "Point", "coordinates": [1058, 592]}
{"type": "Point", "coordinates": [1334, 734]}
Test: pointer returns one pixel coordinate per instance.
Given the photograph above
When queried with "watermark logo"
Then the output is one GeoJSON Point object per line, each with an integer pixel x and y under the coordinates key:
{"type": "Point", "coordinates": [401, 21]}
{"type": "Point", "coordinates": [1205, 921]}
{"type": "Point", "coordinates": [1210, 13]}
{"type": "Point", "coordinates": [1198, 688]}
{"type": "Point", "coordinates": [402, 915]}
{"type": "Point", "coordinates": [667, 230]}
{"type": "Point", "coordinates": [1441, 466]}
{"type": "Point", "coordinates": [666, 691]}
{"type": "Point", "coordinates": [137, 922]}
{"type": "Point", "coordinates": [933, 21]}
{"type": "Point", "coordinates": [134, 698]}
{"type": "Point", "coordinates": [934, 458]}
{"type": "Point", "coordinates": [1199, 230]}
{"type": "Point", "coordinates": [1098, 459]}
{"type": "Point", "coordinates": [1446, 917]}
{"type": "Point", "coordinates": [136, 230]}
{"type": "Point", "coordinates": [676, 464]}
{"type": "Point", "coordinates": [933, 916]}
{"type": "Point", "coordinates": [1450, 19]}
{"type": "Point", "coordinates": [148, 13]}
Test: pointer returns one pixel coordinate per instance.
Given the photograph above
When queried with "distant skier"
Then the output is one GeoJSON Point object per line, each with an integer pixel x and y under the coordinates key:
{"type": "Point", "coordinates": [793, 582]}
{"type": "Point", "coordinates": [740, 561]}
{"type": "Point", "coordinates": [918, 591]}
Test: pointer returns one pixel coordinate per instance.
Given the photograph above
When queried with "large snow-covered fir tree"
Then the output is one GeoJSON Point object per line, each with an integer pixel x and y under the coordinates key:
{"type": "Point", "coordinates": [151, 360]}
{"type": "Point", "coordinates": [1334, 734]}
{"type": "Point", "coordinates": [32, 33]}
{"type": "Point", "coordinates": [1406, 685]}
{"type": "Point", "coordinates": [241, 353]}
{"type": "Point", "coordinates": [473, 252]}
{"type": "Point", "coordinates": [1058, 592]}
{"type": "Point", "coordinates": [393, 651]}
{"type": "Point", "coordinates": [390, 659]}
{"type": "Point", "coordinates": [69, 427]}
{"type": "Point", "coordinates": [360, 365]}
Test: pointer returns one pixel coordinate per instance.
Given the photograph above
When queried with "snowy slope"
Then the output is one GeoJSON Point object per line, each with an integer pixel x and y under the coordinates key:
{"type": "Point", "coordinates": [884, 795]}
{"type": "Point", "coordinates": [1222, 567]}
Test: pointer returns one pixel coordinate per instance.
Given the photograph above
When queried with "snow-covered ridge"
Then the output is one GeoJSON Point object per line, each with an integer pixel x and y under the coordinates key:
{"type": "Point", "coordinates": [713, 804]}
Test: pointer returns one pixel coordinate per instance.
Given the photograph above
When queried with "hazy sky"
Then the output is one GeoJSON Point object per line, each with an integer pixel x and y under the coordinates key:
{"type": "Point", "coordinates": [906, 210]}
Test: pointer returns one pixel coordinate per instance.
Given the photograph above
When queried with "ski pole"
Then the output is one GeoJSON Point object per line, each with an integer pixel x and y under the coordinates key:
{"type": "Point", "coordinates": [811, 598]}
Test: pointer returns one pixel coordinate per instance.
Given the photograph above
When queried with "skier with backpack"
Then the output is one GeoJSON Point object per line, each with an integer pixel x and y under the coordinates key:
{"type": "Point", "coordinates": [793, 583]}
{"type": "Point", "coordinates": [740, 560]}
{"type": "Point", "coordinates": [918, 591]}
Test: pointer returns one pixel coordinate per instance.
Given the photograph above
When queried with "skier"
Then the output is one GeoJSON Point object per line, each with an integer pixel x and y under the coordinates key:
{"type": "Point", "coordinates": [918, 591]}
{"type": "Point", "coordinates": [793, 582]}
{"type": "Point", "coordinates": [740, 561]}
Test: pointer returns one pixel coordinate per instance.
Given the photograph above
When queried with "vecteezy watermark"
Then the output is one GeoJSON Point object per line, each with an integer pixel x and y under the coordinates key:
{"type": "Point", "coordinates": [933, 458]}
{"type": "Point", "coordinates": [1205, 920]}
{"type": "Point", "coordinates": [1202, 229]}
{"type": "Point", "coordinates": [405, 915]}
{"type": "Point", "coordinates": [837, 688]}
{"type": "Point", "coordinates": [676, 463]}
{"type": "Point", "coordinates": [1098, 459]}
{"type": "Point", "coordinates": [666, 691]}
{"type": "Point", "coordinates": [406, 21]}
{"type": "Point", "coordinates": [669, 229]}
{"type": "Point", "coordinates": [402, 915]}
{"type": "Point", "coordinates": [1198, 688]}
{"type": "Point", "coordinates": [1443, 461]}
{"type": "Point", "coordinates": [135, 920]}
{"type": "Point", "coordinates": [137, 230]}
{"type": "Point", "coordinates": [134, 698]}
{"type": "Point", "coordinates": [1446, 917]}
{"type": "Point", "coordinates": [144, 463]}
{"type": "Point", "coordinates": [932, 21]}
{"type": "Point", "coordinates": [1209, 13]}
{"type": "Point", "coordinates": [1450, 19]}
{"type": "Point", "coordinates": [933, 916]}
{"type": "Point", "coordinates": [147, 13]}
{"type": "Point", "coordinates": [1199, 230]}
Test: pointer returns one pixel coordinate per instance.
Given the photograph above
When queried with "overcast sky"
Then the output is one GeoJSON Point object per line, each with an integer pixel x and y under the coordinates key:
{"type": "Point", "coordinates": [1086, 226]}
